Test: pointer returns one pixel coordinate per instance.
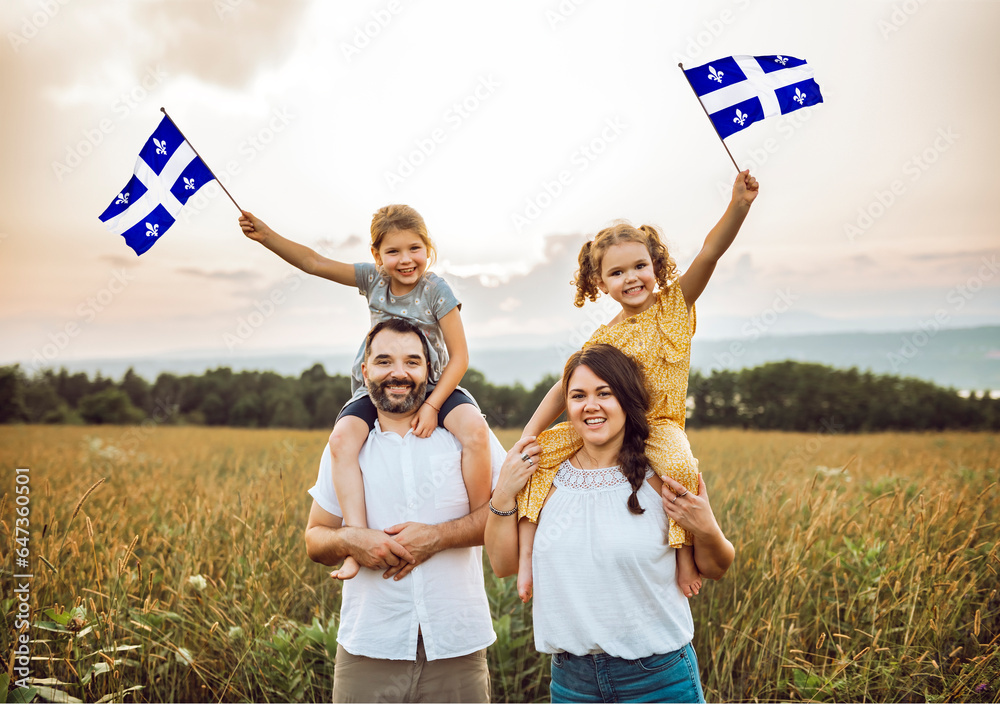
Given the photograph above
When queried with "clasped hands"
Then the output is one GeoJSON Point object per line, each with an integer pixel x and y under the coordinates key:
{"type": "Point", "coordinates": [398, 549]}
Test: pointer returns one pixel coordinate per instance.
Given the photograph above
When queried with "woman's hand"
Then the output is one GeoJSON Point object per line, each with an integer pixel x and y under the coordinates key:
{"type": "Point", "coordinates": [520, 463]}
{"type": "Point", "coordinates": [692, 512]}
{"type": "Point", "coordinates": [713, 553]}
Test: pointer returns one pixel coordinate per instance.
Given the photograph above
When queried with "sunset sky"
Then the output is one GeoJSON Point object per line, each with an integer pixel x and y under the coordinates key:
{"type": "Point", "coordinates": [875, 210]}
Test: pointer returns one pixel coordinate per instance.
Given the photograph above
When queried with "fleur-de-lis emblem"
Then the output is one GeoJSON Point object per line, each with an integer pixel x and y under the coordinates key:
{"type": "Point", "coordinates": [161, 147]}
{"type": "Point", "coordinates": [122, 198]}
{"type": "Point", "coordinates": [740, 118]}
{"type": "Point", "coordinates": [714, 75]}
{"type": "Point", "coordinates": [152, 230]}
{"type": "Point", "coordinates": [188, 184]}
{"type": "Point", "coordinates": [800, 97]}
{"type": "Point", "coordinates": [780, 60]}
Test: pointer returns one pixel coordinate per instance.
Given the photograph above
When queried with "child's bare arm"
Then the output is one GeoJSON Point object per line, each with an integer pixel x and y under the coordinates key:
{"type": "Point", "coordinates": [548, 410]}
{"type": "Point", "coordinates": [458, 363]}
{"type": "Point", "coordinates": [694, 280]}
{"type": "Point", "coordinates": [296, 254]}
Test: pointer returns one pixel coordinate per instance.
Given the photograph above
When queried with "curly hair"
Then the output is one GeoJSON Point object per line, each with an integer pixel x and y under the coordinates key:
{"type": "Point", "coordinates": [392, 218]}
{"type": "Point", "coordinates": [628, 385]}
{"type": "Point", "coordinates": [592, 254]}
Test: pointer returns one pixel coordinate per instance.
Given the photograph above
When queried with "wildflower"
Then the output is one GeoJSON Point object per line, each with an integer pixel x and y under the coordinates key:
{"type": "Point", "coordinates": [198, 582]}
{"type": "Point", "coordinates": [235, 632]}
{"type": "Point", "coordinates": [982, 687]}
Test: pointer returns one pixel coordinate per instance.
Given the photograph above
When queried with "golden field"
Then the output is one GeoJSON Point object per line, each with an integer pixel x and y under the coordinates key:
{"type": "Point", "coordinates": [867, 568]}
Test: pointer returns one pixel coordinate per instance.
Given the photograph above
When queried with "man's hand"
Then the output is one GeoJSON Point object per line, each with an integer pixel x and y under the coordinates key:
{"type": "Point", "coordinates": [418, 539]}
{"type": "Point", "coordinates": [378, 551]}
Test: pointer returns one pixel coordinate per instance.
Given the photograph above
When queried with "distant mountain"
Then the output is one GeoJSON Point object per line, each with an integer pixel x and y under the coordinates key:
{"type": "Point", "coordinates": [965, 359]}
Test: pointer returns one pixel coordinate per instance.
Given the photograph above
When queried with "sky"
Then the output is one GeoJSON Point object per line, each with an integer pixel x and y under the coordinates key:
{"type": "Point", "coordinates": [518, 130]}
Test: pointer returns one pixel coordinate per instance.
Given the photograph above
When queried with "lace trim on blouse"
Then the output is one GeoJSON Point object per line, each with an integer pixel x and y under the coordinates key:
{"type": "Point", "coordinates": [575, 479]}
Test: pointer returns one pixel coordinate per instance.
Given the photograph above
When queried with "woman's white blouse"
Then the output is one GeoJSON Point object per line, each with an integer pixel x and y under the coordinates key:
{"type": "Point", "coordinates": [604, 578]}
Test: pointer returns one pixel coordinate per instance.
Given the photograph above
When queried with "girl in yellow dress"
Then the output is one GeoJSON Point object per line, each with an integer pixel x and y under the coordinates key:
{"type": "Point", "coordinates": [654, 327]}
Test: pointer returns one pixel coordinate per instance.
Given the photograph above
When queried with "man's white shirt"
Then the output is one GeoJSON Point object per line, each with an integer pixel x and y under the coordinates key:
{"type": "Point", "coordinates": [414, 479]}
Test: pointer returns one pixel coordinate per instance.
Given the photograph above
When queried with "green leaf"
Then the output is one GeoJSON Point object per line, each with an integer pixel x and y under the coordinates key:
{"type": "Point", "coordinates": [22, 695]}
{"type": "Point", "coordinates": [50, 626]}
{"type": "Point", "coordinates": [62, 618]}
{"type": "Point", "coordinates": [57, 695]}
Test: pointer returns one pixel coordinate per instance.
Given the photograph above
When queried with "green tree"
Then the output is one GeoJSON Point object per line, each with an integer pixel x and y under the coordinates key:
{"type": "Point", "coordinates": [12, 405]}
{"type": "Point", "coordinates": [109, 406]}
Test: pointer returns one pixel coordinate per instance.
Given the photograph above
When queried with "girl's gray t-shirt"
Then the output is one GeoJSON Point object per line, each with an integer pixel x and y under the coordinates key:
{"type": "Point", "coordinates": [429, 301]}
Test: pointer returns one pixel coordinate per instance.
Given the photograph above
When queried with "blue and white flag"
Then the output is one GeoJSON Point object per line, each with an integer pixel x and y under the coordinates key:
{"type": "Point", "coordinates": [167, 173]}
{"type": "Point", "coordinates": [738, 91]}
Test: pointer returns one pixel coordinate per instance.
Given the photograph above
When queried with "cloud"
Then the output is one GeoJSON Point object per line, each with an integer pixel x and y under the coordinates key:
{"type": "Point", "coordinates": [114, 260]}
{"type": "Point", "coordinates": [242, 275]}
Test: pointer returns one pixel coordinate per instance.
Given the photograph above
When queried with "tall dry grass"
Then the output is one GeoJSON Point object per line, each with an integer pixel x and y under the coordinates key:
{"type": "Point", "coordinates": [866, 568]}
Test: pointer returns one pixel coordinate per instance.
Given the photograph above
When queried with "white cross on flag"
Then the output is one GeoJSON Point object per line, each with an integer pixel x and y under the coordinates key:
{"type": "Point", "coordinates": [738, 91]}
{"type": "Point", "coordinates": [167, 173]}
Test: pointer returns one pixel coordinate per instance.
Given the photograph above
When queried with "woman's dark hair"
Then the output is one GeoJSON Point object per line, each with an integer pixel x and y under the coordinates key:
{"type": "Point", "coordinates": [624, 375]}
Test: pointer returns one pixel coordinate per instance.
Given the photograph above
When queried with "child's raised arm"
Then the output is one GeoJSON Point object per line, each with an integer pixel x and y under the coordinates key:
{"type": "Point", "coordinates": [296, 254]}
{"type": "Point", "coordinates": [694, 280]}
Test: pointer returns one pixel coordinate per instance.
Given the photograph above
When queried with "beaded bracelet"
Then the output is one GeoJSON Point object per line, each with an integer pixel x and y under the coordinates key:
{"type": "Point", "coordinates": [503, 513]}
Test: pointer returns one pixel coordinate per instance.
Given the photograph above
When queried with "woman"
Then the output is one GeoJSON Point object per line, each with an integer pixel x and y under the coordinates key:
{"type": "Point", "coordinates": [606, 601]}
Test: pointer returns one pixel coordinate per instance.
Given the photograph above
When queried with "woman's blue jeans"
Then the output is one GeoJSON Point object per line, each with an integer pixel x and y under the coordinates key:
{"type": "Point", "coordinates": [672, 677]}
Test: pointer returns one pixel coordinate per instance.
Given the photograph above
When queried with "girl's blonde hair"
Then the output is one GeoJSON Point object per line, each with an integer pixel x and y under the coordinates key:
{"type": "Point", "coordinates": [592, 255]}
{"type": "Point", "coordinates": [392, 218]}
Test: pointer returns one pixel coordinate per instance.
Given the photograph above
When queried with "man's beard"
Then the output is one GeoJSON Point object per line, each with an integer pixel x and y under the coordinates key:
{"type": "Point", "coordinates": [397, 405]}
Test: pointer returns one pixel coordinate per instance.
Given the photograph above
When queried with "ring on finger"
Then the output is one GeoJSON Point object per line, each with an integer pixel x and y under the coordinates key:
{"type": "Point", "coordinates": [526, 457]}
{"type": "Point", "coordinates": [531, 462]}
{"type": "Point", "coordinates": [686, 492]}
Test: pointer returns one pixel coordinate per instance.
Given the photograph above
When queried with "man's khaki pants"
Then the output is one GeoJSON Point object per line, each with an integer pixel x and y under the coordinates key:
{"type": "Point", "coordinates": [360, 679]}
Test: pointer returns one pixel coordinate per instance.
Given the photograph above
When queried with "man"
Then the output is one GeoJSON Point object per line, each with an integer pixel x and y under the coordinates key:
{"type": "Point", "coordinates": [412, 628]}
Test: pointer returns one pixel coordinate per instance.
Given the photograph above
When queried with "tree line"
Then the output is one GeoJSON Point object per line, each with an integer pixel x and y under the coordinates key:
{"type": "Point", "coordinates": [776, 396]}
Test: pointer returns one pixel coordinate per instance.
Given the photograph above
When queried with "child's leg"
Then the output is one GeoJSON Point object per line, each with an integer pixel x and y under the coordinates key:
{"type": "Point", "coordinates": [469, 427]}
{"type": "Point", "coordinates": [525, 542]}
{"type": "Point", "coordinates": [688, 576]}
{"type": "Point", "coordinates": [670, 455]}
{"type": "Point", "coordinates": [346, 440]}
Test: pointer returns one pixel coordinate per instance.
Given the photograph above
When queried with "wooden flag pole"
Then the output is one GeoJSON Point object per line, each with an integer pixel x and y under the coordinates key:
{"type": "Point", "coordinates": [681, 67]}
{"type": "Point", "coordinates": [163, 110]}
